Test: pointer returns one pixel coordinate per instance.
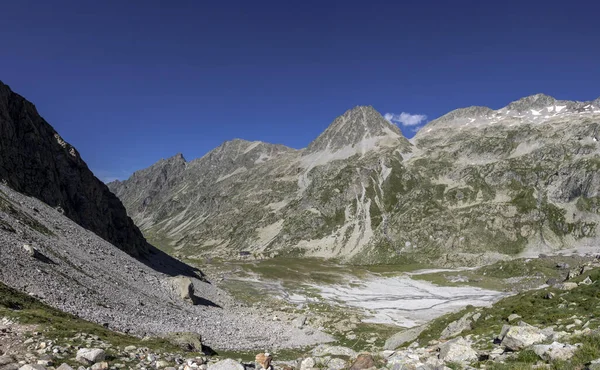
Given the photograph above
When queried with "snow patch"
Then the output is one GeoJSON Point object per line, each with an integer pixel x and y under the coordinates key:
{"type": "Point", "coordinates": [560, 108]}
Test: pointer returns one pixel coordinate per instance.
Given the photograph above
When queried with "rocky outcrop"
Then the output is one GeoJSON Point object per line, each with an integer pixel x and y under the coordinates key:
{"type": "Point", "coordinates": [36, 161]}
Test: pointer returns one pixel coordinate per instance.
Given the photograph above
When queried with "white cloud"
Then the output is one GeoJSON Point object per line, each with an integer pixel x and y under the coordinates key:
{"type": "Point", "coordinates": [405, 119]}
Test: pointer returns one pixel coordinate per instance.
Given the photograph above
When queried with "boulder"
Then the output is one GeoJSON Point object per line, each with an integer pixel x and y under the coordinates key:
{"type": "Point", "coordinates": [6, 359]}
{"type": "Point", "coordinates": [456, 327]}
{"type": "Point", "coordinates": [567, 286]}
{"type": "Point", "coordinates": [263, 360]}
{"type": "Point", "coordinates": [587, 281]}
{"type": "Point", "coordinates": [513, 317]}
{"type": "Point", "coordinates": [336, 364]}
{"type": "Point", "coordinates": [89, 356]}
{"type": "Point", "coordinates": [187, 341]}
{"type": "Point", "coordinates": [594, 365]}
{"type": "Point", "coordinates": [324, 350]}
{"type": "Point", "coordinates": [362, 362]}
{"type": "Point", "coordinates": [299, 322]}
{"type": "Point", "coordinates": [183, 287]}
{"type": "Point", "coordinates": [227, 364]}
{"type": "Point", "coordinates": [458, 350]}
{"type": "Point", "coordinates": [555, 351]}
{"type": "Point", "coordinates": [102, 365]}
{"type": "Point", "coordinates": [32, 367]}
{"type": "Point", "coordinates": [64, 367]}
{"type": "Point", "coordinates": [308, 363]}
{"type": "Point", "coordinates": [515, 338]}
{"type": "Point", "coordinates": [402, 337]}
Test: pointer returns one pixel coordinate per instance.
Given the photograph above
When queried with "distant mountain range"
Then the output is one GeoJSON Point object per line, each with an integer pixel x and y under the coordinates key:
{"type": "Point", "coordinates": [472, 186]}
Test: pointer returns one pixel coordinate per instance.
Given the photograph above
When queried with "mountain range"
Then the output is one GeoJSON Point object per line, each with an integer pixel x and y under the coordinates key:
{"type": "Point", "coordinates": [473, 186]}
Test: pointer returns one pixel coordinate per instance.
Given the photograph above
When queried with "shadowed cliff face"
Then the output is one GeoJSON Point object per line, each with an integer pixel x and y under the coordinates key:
{"type": "Point", "coordinates": [36, 161]}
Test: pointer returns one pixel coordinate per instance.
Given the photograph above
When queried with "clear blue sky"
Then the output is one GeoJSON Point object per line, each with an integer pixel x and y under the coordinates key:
{"type": "Point", "coordinates": [130, 82]}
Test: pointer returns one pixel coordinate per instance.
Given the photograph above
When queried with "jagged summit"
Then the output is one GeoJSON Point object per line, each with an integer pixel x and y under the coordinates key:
{"type": "Point", "coordinates": [535, 101]}
{"type": "Point", "coordinates": [537, 108]}
{"type": "Point", "coordinates": [355, 126]}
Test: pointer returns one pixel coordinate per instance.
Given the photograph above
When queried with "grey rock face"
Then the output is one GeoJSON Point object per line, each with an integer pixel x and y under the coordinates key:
{"type": "Point", "coordinates": [402, 337]}
{"type": "Point", "coordinates": [227, 364]}
{"type": "Point", "coordinates": [36, 161]}
{"type": "Point", "coordinates": [88, 356]}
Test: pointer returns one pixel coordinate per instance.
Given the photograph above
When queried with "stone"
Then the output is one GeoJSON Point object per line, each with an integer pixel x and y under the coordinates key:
{"type": "Point", "coordinates": [402, 337]}
{"type": "Point", "coordinates": [516, 338]}
{"type": "Point", "coordinates": [187, 341]}
{"type": "Point", "coordinates": [552, 281]}
{"type": "Point", "coordinates": [64, 367]}
{"type": "Point", "coordinates": [587, 281]}
{"type": "Point", "coordinates": [594, 365]}
{"type": "Point", "coordinates": [456, 327]}
{"type": "Point", "coordinates": [549, 295]}
{"type": "Point", "coordinates": [88, 356]}
{"type": "Point", "coordinates": [458, 350]}
{"type": "Point", "coordinates": [513, 317]}
{"type": "Point", "coordinates": [6, 359]}
{"type": "Point", "coordinates": [299, 322]}
{"type": "Point", "coordinates": [567, 286]}
{"type": "Point", "coordinates": [162, 364]}
{"type": "Point", "coordinates": [32, 367]}
{"type": "Point", "coordinates": [32, 251]}
{"type": "Point", "coordinates": [562, 265]}
{"type": "Point", "coordinates": [308, 363]}
{"type": "Point", "coordinates": [183, 287]}
{"type": "Point", "coordinates": [476, 317]}
{"type": "Point", "coordinates": [336, 364]}
{"type": "Point", "coordinates": [130, 348]}
{"type": "Point", "coordinates": [555, 351]}
{"type": "Point", "coordinates": [324, 350]}
{"type": "Point", "coordinates": [264, 360]}
{"type": "Point", "coordinates": [100, 366]}
{"type": "Point", "coordinates": [227, 364]}
{"type": "Point", "coordinates": [362, 362]}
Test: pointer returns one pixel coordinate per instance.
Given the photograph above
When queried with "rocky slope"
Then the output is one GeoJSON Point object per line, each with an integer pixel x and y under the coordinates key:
{"type": "Point", "coordinates": [473, 186]}
{"type": "Point", "coordinates": [36, 161]}
{"type": "Point", "coordinates": [48, 256]}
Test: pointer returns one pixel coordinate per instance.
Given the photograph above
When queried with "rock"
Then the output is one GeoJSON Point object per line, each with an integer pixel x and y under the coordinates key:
{"type": "Point", "coordinates": [513, 317]}
{"type": "Point", "coordinates": [362, 362]}
{"type": "Point", "coordinates": [574, 273]}
{"type": "Point", "coordinates": [562, 265]}
{"type": "Point", "coordinates": [162, 364]}
{"type": "Point", "coordinates": [100, 366]}
{"type": "Point", "coordinates": [36, 161]}
{"type": "Point", "coordinates": [88, 356]}
{"type": "Point", "coordinates": [594, 365]}
{"type": "Point", "coordinates": [555, 351]}
{"type": "Point", "coordinates": [324, 350]}
{"type": "Point", "coordinates": [308, 363]}
{"type": "Point", "coordinates": [336, 364]}
{"type": "Point", "coordinates": [404, 361]}
{"type": "Point", "coordinates": [458, 350]}
{"type": "Point", "coordinates": [187, 341]}
{"type": "Point", "coordinates": [299, 322]}
{"type": "Point", "coordinates": [32, 367]}
{"type": "Point", "coordinates": [264, 360]}
{"type": "Point", "coordinates": [6, 359]}
{"type": "Point", "coordinates": [183, 287]}
{"type": "Point", "coordinates": [476, 317]}
{"type": "Point", "coordinates": [64, 367]}
{"type": "Point", "coordinates": [130, 348]}
{"type": "Point", "coordinates": [549, 295]}
{"type": "Point", "coordinates": [402, 337]}
{"type": "Point", "coordinates": [587, 281]}
{"type": "Point", "coordinates": [552, 281]}
{"type": "Point", "coordinates": [456, 327]}
{"type": "Point", "coordinates": [567, 286]}
{"type": "Point", "coordinates": [519, 337]}
{"type": "Point", "coordinates": [227, 364]}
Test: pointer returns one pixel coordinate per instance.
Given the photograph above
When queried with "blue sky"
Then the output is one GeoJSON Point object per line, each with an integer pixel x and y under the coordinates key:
{"type": "Point", "coordinates": [130, 82]}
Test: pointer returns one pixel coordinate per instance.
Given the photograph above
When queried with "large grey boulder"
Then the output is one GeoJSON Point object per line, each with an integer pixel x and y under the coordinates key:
{"type": "Point", "coordinates": [227, 364]}
{"type": "Point", "coordinates": [183, 288]}
{"type": "Point", "coordinates": [555, 351]}
{"type": "Point", "coordinates": [519, 337]}
{"type": "Point", "coordinates": [187, 341]}
{"type": "Point", "coordinates": [456, 327]}
{"type": "Point", "coordinates": [327, 350]}
{"type": "Point", "coordinates": [89, 356]}
{"type": "Point", "coordinates": [458, 350]}
{"type": "Point", "coordinates": [402, 337]}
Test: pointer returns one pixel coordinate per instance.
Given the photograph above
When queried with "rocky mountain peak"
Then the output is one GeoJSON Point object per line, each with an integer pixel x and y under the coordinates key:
{"type": "Point", "coordinates": [535, 101]}
{"type": "Point", "coordinates": [355, 126]}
